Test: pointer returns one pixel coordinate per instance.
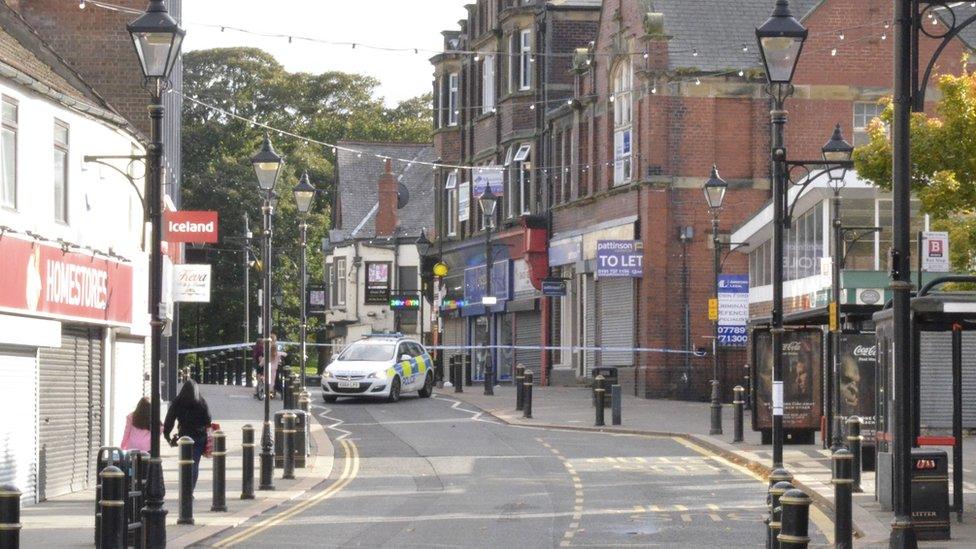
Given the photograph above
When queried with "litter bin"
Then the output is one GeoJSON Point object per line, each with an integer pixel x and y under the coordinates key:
{"type": "Point", "coordinates": [930, 493]}
{"type": "Point", "coordinates": [611, 378]}
{"type": "Point", "coordinates": [279, 424]}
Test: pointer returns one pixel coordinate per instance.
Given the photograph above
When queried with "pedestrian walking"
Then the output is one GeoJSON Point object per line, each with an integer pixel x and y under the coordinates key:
{"type": "Point", "coordinates": [274, 360]}
{"type": "Point", "coordinates": [191, 411]}
{"type": "Point", "coordinates": [136, 435]}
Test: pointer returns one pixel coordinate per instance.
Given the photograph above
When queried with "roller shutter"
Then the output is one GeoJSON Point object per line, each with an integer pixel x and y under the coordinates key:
{"type": "Point", "coordinates": [589, 323]}
{"type": "Point", "coordinates": [616, 320]}
{"type": "Point", "coordinates": [936, 377]}
{"type": "Point", "coordinates": [528, 332]}
{"type": "Point", "coordinates": [18, 428]}
{"type": "Point", "coordinates": [70, 406]}
{"type": "Point", "coordinates": [453, 337]}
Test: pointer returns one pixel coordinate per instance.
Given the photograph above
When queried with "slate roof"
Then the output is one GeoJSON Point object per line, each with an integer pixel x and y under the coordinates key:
{"type": "Point", "coordinates": [717, 30]}
{"type": "Point", "coordinates": [357, 180]}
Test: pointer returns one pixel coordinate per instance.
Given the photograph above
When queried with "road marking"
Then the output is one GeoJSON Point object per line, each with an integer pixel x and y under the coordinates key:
{"type": "Point", "coordinates": [349, 472]}
{"type": "Point", "coordinates": [577, 517]}
{"type": "Point", "coordinates": [680, 507]}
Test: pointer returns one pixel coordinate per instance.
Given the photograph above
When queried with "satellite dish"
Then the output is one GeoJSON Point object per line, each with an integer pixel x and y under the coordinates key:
{"type": "Point", "coordinates": [403, 196]}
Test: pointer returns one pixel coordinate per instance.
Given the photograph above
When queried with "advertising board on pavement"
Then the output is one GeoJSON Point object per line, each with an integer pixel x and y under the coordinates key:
{"type": "Point", "coordinates": [619, 258]}
{"type": "Point", "coordinates": [733, 310]}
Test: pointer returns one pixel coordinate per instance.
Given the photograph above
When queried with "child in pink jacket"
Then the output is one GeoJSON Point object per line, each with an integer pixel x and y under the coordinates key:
{"type": "Point", "coordinates": [137, 436]}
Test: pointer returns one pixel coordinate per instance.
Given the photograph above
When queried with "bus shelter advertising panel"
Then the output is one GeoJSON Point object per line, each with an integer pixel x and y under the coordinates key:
{"type": "Point", "coordinates": [802, 366]}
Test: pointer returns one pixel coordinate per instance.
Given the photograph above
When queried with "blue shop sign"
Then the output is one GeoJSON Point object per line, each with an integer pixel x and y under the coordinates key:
{"type": "Point", "coordinates": [565, 251]}
{"type": "Point", "coordinates": [475, 284]}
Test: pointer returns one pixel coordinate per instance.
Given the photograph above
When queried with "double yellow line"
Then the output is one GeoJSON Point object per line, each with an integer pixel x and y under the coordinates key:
{"type": "Point", "coordinates": [349, 471]}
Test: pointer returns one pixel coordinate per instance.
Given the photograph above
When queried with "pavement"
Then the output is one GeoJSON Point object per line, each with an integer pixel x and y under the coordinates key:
{"type": "Point", "coordinates": [570, 408]}
{"type": "Point", "coordinates": [438, 472]}
{"type": "Point", "coordinates": [67, 521]}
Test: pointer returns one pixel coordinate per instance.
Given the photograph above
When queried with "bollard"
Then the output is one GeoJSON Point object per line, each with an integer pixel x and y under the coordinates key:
{"type": "Point", "coordinates": [296, 388]}
{"type": "Point", "coordinates": [247, 462]}
{"type": "Point", "coordinates": [186, 480]}
{"type": "Point", "coordinates": [458, 376]}
{"type": "Point", "coordinates": [246, 365]}
{"type": "Point", "coordinates": [854, 439]}
{"type": "Point", "coordinates": [107, 455]}
{"type": "Point", "coordinates": [9, 517]}
{"type": "Point", "coordinates": [519, 381]}
{"type": "Point", "coordinates": [112, 505]}
{"type": "Point", "coordinates": [843, 464]}
{"type": "Point", "coordinates": [795, 520]}
{"type": "Point", "coordinates": [600, 393]}
{"type": "Point", "coordinates": [776, 491]}
{"type": "Point", "coordinates": [738, 403]}
{"type": "Point", "coordinates": [616, 403]}
{"type": "Point", "coordinates": [305, 404]}
{"type": "Point", "coordinates": [285, 387]}
{"type": "Point", "coordinates": [219, 456]}
{"type": "Point", "coordinates": [288, 445]}
{"type": "Point", "coordinates": [140, 472]}
{"type": "Point", "coordinates": [527, 396]}
{"type": "Point", "coordinates": [221, 369]}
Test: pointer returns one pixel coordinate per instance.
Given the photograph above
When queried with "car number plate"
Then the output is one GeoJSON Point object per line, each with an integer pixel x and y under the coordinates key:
{"type": "Point", "coordinates": [349, 384]}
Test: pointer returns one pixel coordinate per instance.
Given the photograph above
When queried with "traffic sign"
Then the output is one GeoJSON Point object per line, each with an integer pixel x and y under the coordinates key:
{"type": "Point", "coordinates": [713, 309]}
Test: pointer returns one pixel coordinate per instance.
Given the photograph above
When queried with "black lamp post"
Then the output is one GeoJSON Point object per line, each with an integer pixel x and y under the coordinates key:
{"type": "Point", "coordinates": [267, 166]}
{"type": "Point", "coordinates": [714, 190]}
{"type": "Point", "coordinates": [423, 248]}
{"type": "Point", "coordinates": [304, 195]}
{"type": "Point", "coordinates": [157, 38]}
{"type": "Point", "coordinates": [489, 202]}
{"type": "Point", "coordinates": [780, 40]}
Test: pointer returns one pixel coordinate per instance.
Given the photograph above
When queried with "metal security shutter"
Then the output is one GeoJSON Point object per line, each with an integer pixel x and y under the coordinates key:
{"type": "Point", "coordinates": [453, 337]}
{"type": "Point", "coordinates": [555, 329]}
{"type": "Point", "coordinates": [936, 377]}
{"type": "Point", "coordinates": [70, 406]}
{"type": "Point", "coordinates": [18, 429]}
{"type": "Point", "coordinates": [528, 333]}
{"type": "Point", "coordinates": [589, 323]}
{"type": "Point", "coordinates": [617, 320]}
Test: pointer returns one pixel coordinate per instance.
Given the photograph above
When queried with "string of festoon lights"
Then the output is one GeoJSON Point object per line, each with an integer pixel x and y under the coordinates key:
{"type": "Point", "coordinates": [65, 245]}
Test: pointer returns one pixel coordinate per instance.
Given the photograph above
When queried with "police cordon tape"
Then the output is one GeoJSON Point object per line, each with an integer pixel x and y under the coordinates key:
{"type": "Point", "coordinates": [699, 354]}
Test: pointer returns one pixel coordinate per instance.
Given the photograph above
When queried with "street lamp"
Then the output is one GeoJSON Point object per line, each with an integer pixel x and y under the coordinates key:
{"type": "Point", "coordinates": [267, 166]}
{"type": "Point", "coordinates": [714, 190]}
{"type": "Point", "coordinates": [157, 38]}
{"type": "Point", "coordinates": [423, 248]}
{"type": "Point", "coordinates": [304, 194]}
{"type": "Point", "coordinates": [780, 40]}
{"type": "Point", "coordinates": [489, 202]}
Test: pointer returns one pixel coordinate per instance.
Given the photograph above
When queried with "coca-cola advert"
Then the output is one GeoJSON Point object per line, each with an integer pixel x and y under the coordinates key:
{"type": "Point", "coordinates": [191, 283]}
{"type": "Point", "coordinates": [802, 366]}
{"type": "Point", "coordinates": [857, 375]}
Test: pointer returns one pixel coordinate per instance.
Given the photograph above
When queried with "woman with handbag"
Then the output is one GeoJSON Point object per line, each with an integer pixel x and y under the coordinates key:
{"type": "Point", "coordinates": [190, 409]}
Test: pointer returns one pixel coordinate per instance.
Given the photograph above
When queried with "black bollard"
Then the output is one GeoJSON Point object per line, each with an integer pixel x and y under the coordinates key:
{"type": "Point", "coordinates": [140, 470]}
{"type": "Point", "coordinates": [247, 462]}
{"type": "Point", "coordinates": [185, 463]}
{"type": "Point", "coordinates": [219, 456]}
{"type": "Point", "coordinates": [305, 404]}
{"type": "Point", "coordinates": [107, 455]}
{"type": "Point", "coordinates": [738, 403]}
{"type": "Point", "coordinates": [458, 376]}
{"type": "Point", "coordinates": [616, 404]}
{"type": "Point", "coordinates": [296, 388]}
{"type": "Point", "coordinates": [527, 396]}
{"type": "Point", "coordinates": [854, 439]}
{"type": "Point", "coordinates": [600, 392]}
{"type": "Point", "coordinates": [795, 520]}
{"type": "Point", "coordinates": [285, 387]}
{"type": "Point", "coordinates": [843, 464]}
{"type": "Point", "coordinates": [776, 491]}
{"type": "Point", "coordinates": [113, 526]}
{"type": "Point", "coordinates": [246, 365]}
{"type": "Point", "coordinates": [519, 381]}
{"type": "Point", "coordinates": [288, 445]}
{"type": "Point", "coordinates": [9, 517]}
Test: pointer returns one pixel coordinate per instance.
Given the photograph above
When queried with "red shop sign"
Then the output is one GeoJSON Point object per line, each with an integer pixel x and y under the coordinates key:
{"type": "Point", "coordinates": [190, 227]}
{"type": "Point", "coordinates": [42, 279]}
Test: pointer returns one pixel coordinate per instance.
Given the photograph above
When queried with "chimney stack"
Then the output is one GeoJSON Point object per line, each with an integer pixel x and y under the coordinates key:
{"type": "Point", "coordinates": [386, 214]}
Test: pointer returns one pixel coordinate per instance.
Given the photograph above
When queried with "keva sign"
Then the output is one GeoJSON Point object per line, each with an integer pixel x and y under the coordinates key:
{"type": "Point", "coordinates": [191, 283]}
{"type": "Point", "coordinates": [619, 258]}
{"type": "Point", "coordinates": [190, 227]}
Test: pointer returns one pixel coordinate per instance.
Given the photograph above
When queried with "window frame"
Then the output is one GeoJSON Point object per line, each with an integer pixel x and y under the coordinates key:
{"type": "Point", "coordinates": [519, 200]}
{"type": "Point", "coordinates": [11, 128]}
{"type": "Point", "coordinates": [450, 199]}
{"type": "Point", "coordinates": [525, 59]}
{"type": "Point", "coordinates": [623, 123]}
{"type": "Point", "coordinates": [488, 84]}
{"type": "Point", "coordinates": [860, 132]}
{"type": "Point", "coordinates": [340, 274]}
{"type": "Point", "coordinates": [61, 149]}
{"type": "Point", "coordinates": [453, 87]}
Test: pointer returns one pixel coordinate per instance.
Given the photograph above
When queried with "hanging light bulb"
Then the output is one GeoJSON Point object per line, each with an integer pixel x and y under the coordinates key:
{"type": "Point", "coordinates": [81, 4]}
{"type": "Point", "coordinates": [833, 52]}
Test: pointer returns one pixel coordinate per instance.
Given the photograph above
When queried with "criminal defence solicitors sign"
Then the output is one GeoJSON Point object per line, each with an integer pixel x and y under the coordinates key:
{"type": "Point", "coordinates": [39, 279]}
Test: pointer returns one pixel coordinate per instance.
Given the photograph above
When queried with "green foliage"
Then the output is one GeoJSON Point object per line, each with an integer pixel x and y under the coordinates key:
{"type": "Point", "coordinates": [217, 173]}
{"type": "Point", "coordinates": [943, 152]}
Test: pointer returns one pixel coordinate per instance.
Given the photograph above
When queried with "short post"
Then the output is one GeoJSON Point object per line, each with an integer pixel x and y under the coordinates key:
{"type": "Point", "coordinates": [140, 473]}
{"type": "Point", "coordinates": [458, 375]}
{"type": "Point", "coordinates": [776, 491]}
{"type": "Point", "coordinates": [288, 445]}
{"type": "Point", "coordinates": [616, 403]}
{"type": "Point", "coordinates": [185, 463]}
{"type": "Point", "coordinates": [296, 388]}
{"type": "Point", "coordinates": [305, 405]}
{"type": "Point", "coordinates": [519, 381]}
{"type": "Point", "coordinates": [854, 440]}
{"type": "Point", "coordinates": [247, 462]}
{"type": "Point", "coordinates": [738, 404]}
{"type": "Point", "coordinates": [238, 373]}
{"type": "Point", "coordinates": [285, 388]}
{"type": "Point", "coordinates": [9, 517]}
{"type": "Point", "coordinates": [527, 396]}
{"type": "Point", "coordinates": [795, 520]}
{"type": "Point", "coordinates": [843, 464]}
{"type": "Point", "coordinates": [113, 526]}
{"type": "Point", "coordinates": [601, 396]}
{"type": "Point", "coordinates": [219, 455]}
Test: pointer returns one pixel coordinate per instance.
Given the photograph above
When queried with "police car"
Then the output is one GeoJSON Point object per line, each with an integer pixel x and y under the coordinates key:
{"type": "Point", "coordinates": [379, 365]}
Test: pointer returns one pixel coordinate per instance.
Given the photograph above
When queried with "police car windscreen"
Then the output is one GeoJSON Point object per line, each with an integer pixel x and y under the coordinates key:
{"type": "Point", "coordinates": [368, 352]}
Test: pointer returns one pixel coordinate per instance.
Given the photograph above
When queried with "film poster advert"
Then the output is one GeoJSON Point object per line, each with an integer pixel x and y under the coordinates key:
{"type": "Point", "coordinates": [857, 374]}
{"type": "Point", "coordinates": [802, 366]}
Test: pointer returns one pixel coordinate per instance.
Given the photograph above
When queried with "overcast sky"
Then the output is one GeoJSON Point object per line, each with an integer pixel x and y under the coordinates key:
{"type": "Point", "coordinates": [397, 23]}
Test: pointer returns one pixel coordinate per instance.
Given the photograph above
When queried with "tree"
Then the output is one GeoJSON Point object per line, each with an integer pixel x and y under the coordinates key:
{"type": "Point", "coordinates": [217, 173]}
{"type": "Point", "coordinates": [943, 149]}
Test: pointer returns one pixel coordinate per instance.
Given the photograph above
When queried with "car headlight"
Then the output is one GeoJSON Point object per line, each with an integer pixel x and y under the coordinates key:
{"type": "Point", "coordinates": [377, 375]}
{"type": "Point", "coordinates": [328, 375]}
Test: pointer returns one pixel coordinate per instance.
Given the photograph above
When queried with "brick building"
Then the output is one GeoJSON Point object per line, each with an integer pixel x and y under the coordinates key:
{"type": "Point", "coordinates": [489, 118]}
